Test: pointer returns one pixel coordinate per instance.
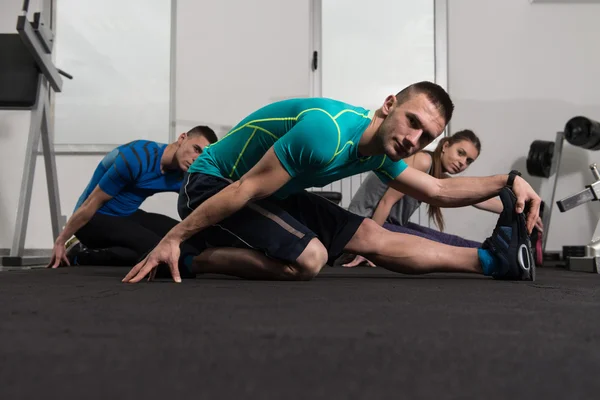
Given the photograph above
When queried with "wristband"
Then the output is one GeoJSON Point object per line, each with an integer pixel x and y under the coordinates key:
{"type": "Point", "coordinates": [511, 177]}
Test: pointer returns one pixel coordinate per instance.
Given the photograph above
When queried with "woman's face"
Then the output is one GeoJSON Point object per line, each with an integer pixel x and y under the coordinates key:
{"type": "Point", "coordinates": [456, 158]}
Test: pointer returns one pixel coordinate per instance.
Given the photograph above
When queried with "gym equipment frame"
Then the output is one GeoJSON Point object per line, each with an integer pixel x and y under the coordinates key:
{"type": "Point", "coordinates": [580, 132]}
{"type": "Point", "coordinates": [30, 66]}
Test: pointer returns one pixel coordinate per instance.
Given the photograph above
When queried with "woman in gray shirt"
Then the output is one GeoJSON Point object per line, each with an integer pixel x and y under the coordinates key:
{"type": "Point", "coordinates": [392, 209]}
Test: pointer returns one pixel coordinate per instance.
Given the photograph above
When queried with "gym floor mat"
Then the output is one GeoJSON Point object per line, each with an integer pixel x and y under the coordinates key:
{"type": "Point", "coordinates": [359, 333]}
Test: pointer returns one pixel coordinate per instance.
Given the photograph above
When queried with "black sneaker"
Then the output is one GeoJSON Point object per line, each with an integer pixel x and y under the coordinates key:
{"type": "Point", "coordinates": [510, 243]}
{"type": "Point", "coordinates": [73, 248]}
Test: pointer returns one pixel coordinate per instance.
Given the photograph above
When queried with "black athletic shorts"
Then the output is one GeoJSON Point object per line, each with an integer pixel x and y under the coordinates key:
{"type": "Point", "coordinates": [280, 228]}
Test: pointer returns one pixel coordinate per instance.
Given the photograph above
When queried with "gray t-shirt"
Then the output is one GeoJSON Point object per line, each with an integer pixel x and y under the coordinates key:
{"type": "Point", "coordinates": [369, 194]}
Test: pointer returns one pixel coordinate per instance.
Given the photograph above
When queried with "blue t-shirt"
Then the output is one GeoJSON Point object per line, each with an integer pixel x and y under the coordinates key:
{"type": "Point", "coordinates": [315, 139]}
{"type": "Point", "coordinates": [130, 174]}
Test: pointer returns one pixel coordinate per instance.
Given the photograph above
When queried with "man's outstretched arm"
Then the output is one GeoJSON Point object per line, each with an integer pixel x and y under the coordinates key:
{"type": "Point", "coordinates": [465, 191]}
{"type": "Point", "coordinates": [265, 178]}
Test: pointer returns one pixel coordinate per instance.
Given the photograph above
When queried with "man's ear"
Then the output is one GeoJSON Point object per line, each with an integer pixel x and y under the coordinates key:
{"type": "Point", "coordinates": [388, 104]}
{"type": "Point", "coordinates": [181, 138]}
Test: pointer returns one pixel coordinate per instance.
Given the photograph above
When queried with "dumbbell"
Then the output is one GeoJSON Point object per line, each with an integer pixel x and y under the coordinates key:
{"type": "Point", "coordinates": [583, 132]}
{"type": "Point", "coordinates": [539, 159]}
{"type": "Point", "coordinates": [579, 132]}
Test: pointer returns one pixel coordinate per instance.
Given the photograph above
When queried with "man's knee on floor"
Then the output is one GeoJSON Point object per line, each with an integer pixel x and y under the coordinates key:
{"type": "Point", "coordinates": [313, 258]}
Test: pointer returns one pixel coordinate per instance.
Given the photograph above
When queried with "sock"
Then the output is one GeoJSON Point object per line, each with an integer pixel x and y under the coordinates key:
{"type": "Point", "coordinates": [488, 261]}
{"type": "Point", "coordinates": [188, 260]}
{"type": "Point", "coordinates": [186, 268]}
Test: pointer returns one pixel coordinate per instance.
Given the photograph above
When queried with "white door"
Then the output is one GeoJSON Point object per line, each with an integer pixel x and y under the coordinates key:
{"type": "Point", "coordinates": [235, 56]}
{"type": "Point", "coordinates": [367, 51]}
{"type": "Point", "coordinates": [120, 56]}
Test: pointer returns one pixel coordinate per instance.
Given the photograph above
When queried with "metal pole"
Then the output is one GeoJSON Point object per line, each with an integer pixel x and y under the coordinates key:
{"type": "Point", "coordinates": [28, 171]}
{"type": "Point", "coordinates": [51, 173]}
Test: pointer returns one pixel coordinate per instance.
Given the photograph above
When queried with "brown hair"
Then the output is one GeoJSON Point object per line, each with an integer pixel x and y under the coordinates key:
{"type": "Point", "coordinates": [434, 212]}
{"type": "Point", "coordinates": [435, 94]}
{"type": "Point", "coordinates": [203, 130]}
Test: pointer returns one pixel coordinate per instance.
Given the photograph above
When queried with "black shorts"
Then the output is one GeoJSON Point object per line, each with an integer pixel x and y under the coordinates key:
{"type": "Point", "coordinates": [280, 228]}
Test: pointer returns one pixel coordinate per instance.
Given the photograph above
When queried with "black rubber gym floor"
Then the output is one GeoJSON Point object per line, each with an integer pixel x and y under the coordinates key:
{"type": "Point", "coordinates": [362, 333]}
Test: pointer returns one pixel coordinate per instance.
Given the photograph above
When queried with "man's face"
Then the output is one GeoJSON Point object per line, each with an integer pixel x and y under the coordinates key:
{"type": "Point", "coordinates": [409, 127]}
{"type": "Point", "coordinates": [190, 147]}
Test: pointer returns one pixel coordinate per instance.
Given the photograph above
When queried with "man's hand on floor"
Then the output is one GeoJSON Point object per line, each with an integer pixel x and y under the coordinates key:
{"type": "Point", "coordinates": [59, 255]}
{"type": "Point", "coordinates": [166, 252]}
{"type": "Point", "coordinates": [358, 260]}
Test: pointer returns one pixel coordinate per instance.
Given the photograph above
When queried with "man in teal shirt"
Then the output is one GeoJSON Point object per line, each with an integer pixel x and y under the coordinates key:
{"type": "Point", "coordinates": [315, 139]}
{"type": "Point", "coordinates": [244, 197]}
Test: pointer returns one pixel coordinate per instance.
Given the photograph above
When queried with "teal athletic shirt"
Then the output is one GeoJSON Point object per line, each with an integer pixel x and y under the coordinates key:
{"type": "Point", "coordinates": [315, 139]}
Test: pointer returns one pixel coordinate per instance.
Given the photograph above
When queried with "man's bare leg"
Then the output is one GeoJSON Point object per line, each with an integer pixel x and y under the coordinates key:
{"type": "Point", "coordinates": [410, 254]}
{"type": "Point", "coordinates": [243, 263]}
{"type": "Point", "coordinates": [252, 264]}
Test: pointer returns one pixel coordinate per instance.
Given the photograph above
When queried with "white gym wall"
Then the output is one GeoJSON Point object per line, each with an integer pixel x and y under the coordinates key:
{"type": "Point", "coordinates": [517, 72]}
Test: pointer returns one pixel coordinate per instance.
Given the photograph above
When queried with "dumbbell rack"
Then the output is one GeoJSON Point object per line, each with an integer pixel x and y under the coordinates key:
{"type": "Point", "coordinates": [30, 66]}
{"type": "Point", "coordinates": [584, 258]}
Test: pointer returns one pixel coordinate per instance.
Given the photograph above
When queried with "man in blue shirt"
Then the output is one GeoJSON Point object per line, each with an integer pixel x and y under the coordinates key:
{"type": "Point", "coordinates": [245, 194]}
{"type": "Point", "coordinates": [108, 221]}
